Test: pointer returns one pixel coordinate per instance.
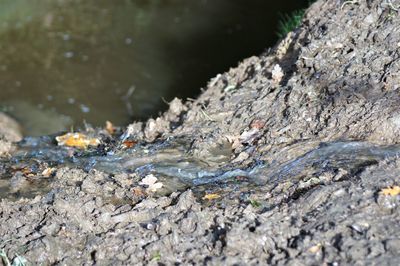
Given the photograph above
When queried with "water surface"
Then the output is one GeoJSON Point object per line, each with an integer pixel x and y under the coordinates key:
{"type": "Point", "coordinates": [68, 61]}
{"type": "Point", "coordinates": [172, 162]}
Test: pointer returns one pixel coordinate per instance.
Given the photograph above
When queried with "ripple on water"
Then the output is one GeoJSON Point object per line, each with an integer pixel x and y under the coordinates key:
{"type": "Point", "coordinates": [171, 162]}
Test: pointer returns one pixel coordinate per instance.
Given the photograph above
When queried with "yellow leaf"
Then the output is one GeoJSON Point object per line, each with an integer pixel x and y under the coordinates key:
{"type": "Point", "coordinates": [211, 196]}
{"type": "Point", "coordinates": [391, 191]}
{"type": "Point", "coordinates": [77, 140]}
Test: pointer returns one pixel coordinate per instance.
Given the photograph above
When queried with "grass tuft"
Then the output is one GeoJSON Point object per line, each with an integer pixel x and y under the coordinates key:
{"type": "Point", "coordinates": [289, 22]}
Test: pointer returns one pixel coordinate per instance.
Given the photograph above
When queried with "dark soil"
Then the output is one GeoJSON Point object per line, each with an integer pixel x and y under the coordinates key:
{"type": "Point", "coordinates": [341, 83]}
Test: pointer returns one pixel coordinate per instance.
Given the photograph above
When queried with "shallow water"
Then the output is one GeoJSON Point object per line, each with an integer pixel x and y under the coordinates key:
{"type": "Point", "coordinates": [63, 62]}
{"type": "Point", "coordinates": [172, 162]}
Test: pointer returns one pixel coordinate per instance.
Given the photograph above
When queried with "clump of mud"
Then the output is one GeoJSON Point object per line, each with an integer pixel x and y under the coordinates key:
{"type": "Point", "coordinates": [321, 107]}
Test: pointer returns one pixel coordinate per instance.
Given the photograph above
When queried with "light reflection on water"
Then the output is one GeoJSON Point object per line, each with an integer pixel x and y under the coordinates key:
{"type": "Point", "coordinates": [171, 163]}
{"type": "Point", "coordinates": [62, 62]}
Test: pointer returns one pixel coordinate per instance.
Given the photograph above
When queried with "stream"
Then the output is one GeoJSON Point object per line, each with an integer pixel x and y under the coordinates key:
{"type": "Point", "coordinates": [171, 162]}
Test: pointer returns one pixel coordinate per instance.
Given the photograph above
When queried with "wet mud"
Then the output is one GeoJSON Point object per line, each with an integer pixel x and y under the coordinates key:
{"type": "Point", "coordinates": [290, 158]}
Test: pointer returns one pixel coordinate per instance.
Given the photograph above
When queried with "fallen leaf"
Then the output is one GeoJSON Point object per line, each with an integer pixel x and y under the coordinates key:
{"type": "Point", "coordinates": [128, 144]}
{"type": "Point", "coordinates": [151, 182]}
{"type": "Point", "coordinates": [110, 128]}
{"type": "Point", "coordinates": [391, 191]}
{"type": "Point", "coordinates": [211, 196]}
{"type": "Point", "coordinates": [77, 140]}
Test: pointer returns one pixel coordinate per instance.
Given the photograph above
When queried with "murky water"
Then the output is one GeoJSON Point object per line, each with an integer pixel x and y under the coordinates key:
{"type": "Point", "coordinates": [172, 162]}
{"type": "Point", "coordinates": [63, 62]}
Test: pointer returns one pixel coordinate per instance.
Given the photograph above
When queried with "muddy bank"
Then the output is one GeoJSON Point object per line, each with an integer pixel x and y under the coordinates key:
{"type": "Point", "coordinates": [322, 107]}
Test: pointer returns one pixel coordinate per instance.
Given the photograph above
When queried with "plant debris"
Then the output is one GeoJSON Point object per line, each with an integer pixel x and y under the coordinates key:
{"type": "Point", "coordinates": [391, 191]}
{"type": "Point", "coordinates": [128, 144]}
{"type": "Point", "coordinates": [77, 140]}
{"type": "Point", "coordinates": [211, 196]}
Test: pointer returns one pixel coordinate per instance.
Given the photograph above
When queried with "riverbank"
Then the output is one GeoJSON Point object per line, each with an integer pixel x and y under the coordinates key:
{"type": "Point", "coordinates": [334, 80]}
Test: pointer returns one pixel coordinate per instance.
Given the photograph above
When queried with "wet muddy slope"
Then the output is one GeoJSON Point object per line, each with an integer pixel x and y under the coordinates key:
{"type": "Point", "coordinates": [320, 110]}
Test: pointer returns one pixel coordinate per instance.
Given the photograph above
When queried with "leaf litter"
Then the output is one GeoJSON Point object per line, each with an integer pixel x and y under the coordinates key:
{"type": "Point", "coordinates": [77, 140]}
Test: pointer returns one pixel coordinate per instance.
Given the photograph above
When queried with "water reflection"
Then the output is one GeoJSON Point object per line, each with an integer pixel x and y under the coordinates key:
{"type": "Point", "coordinates": [67, 61]}
{"type": "Point", "coordinates": [171, 163]}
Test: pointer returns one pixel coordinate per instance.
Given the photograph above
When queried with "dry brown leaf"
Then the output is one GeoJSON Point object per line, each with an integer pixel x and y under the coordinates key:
{"type": "Point", "coordinates": [391, 191]}
{"type": "Point", "coordinates": [128, 144]}
{"type": "Point", "coordinates": [211, 196]}
{"type": "Point", "coordinates": [77, 140]}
